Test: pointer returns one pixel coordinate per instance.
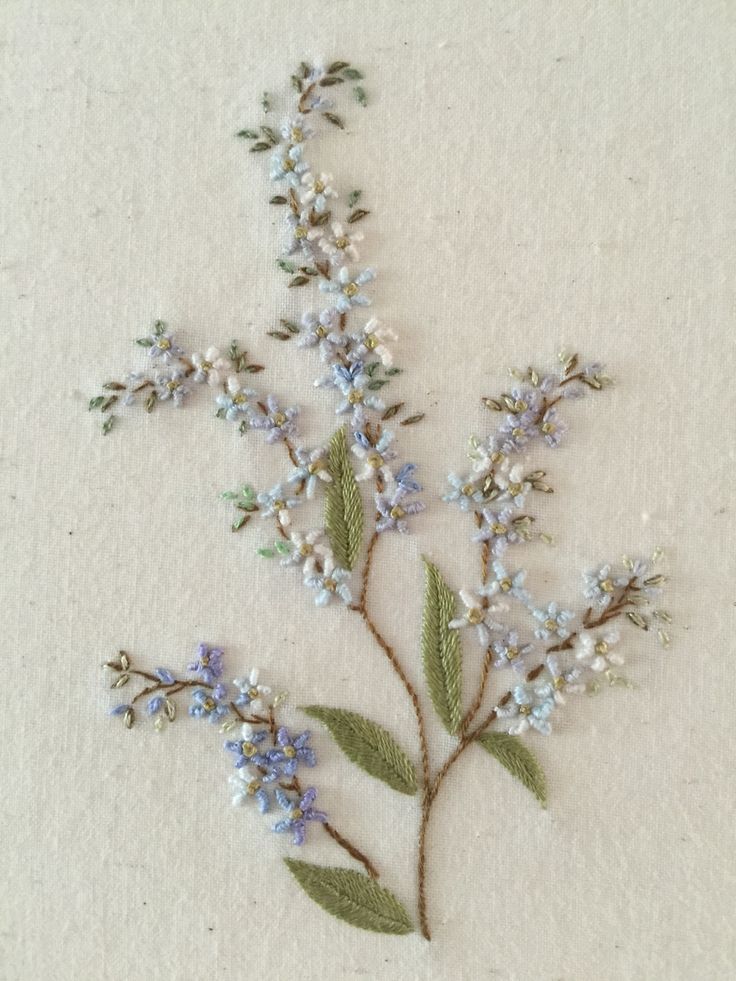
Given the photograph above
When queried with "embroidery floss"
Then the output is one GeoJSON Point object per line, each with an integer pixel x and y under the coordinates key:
{"type": "Point", "coordinates": [559, 653]}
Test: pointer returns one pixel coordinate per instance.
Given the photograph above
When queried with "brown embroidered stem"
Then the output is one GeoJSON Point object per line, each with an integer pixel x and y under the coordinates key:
{"type": "Point", "coordinates": [362, 608]}
{"type": "Point", "coordinates": [290, 450]}
{"type": "Point", "coordinates": [477, 701]}
{"type": "Point", "coordinates": [351, 850]}
{"type": "Point", "coordinates": [422, 865]}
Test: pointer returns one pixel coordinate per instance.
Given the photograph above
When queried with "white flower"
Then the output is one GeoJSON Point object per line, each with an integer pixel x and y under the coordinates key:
{"type": "Point", "coordinates": [478, 614]}
{"type": "Point", "coordinates": [317, 191]}
{"type": "Point", "coordinates": [210, 366]}
{"type": "Point", "coordinates": [509, 479]}
{"type": "Point", "coordinates": [252, 695]}
{"type": "Point", "coordinates": [308, 551]}
{"type": "Point", "coordinates": [594, 650]}
{"type": "Point", "coordinates": [372, 341]}
{"type": "Point", "coordinates": [341, 244]}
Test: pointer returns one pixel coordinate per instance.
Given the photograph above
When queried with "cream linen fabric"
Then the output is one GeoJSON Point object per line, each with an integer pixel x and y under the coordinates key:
{"type": "Point", "coordinates": [540, 173]}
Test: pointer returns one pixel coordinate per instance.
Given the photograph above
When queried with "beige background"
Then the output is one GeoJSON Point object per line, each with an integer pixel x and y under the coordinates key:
{"type": "Point", "coordinates": [540, 173]}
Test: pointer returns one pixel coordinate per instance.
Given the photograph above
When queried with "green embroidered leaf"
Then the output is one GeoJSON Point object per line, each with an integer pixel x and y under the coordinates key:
{"type": "Point", "coordinates": [518, 760]}
{"type": "Point", "coordinates": [441, 649]}
{"type": "Point", "coordinates": [343, 504]}
{"type": "Point", "coordinates": [369, 746]}
{"type": "Point", "coordinates": [352, 897]}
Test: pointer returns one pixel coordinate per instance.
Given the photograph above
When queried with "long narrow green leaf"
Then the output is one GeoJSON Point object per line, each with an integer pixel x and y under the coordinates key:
{"type": "Point", "coordinates": [369, 746]}
{"type": "Point", "coordinates": [352, 897]}
{"type": "Point", "coordinates": [343, 504]}
{"type": "Point", "coordinates": [518, 760]}
{"type": "Point", "coordinates": [441, 649]}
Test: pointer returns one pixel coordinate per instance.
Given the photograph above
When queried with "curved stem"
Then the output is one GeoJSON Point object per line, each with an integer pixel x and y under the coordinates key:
{"type": "Point", "coordinates": [362, 608]}
{"type": "Point", "coordinates": [354, 852]}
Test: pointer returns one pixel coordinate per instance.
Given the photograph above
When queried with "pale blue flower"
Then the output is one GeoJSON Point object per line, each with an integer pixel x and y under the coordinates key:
{"type": "Point", "coordinates": [287, 164]}
{"type": "Point", "coordinates": [235, 404]}
{"type": "Point", "coordinates": [404, 479]}
{"type": "Point", "coordinates": [561, 680]}
{"type": "Point", "coordinates": [374, 458]}
{"type": "Point", "coordinates": [296, 129]}
{"type": "Point", "coordinates": [172, 384]}
{"type": "Point", "coordinates": [353, 384]}
{"type": "Point", "coordinates": [313, 468]}
{"type": "Point", "coordinates": [276, 504]}
{"type": "Point", "coordinates": [529, 707]}
{"type": "Point", "coordinates": [553, 622]}
{"type": "Point", "coordinates": [246, 750]}
{"type": "Point", "coordinates": [601, 585]}
{"type": "Point", "coordinates": [329, 584]}
{"type": "Point", "coordinates": [347, 289]}
{"type": "Point", "coordinates": [508, 584]}
{"type": "Point", "coordinates": [466, 492]}
{"type": "Point", "coordinates": [479, 613]}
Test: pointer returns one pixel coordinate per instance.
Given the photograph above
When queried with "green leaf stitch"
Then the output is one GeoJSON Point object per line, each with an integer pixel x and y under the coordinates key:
{"type": "Point", "coordinates": [343, 504]}
{"type": "Point", "coordinates": [511, 752]}
{"type": "Point", "coordinates": [441, 649]}
{"type": "Point", "coordinates": [352, 897]}
{"type": "Point", "coordinates": [369, 746]}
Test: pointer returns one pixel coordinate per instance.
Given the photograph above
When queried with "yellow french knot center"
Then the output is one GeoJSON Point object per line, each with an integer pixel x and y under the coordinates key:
{"type": "Point", "coordinates": [374, 460]}
{"type": "Point", "coordinates": [524, 710]}
{"type": "Point", "coordinates": [253, 787]}
{"type": "Point", "coordinates": [289, 752]}
{"type": "Point", "coordinates": [397, 512]}
{"type": "Point", "coordinates": [319, 186]}
{"type": "Point", "coordinates": [350, 289]}
{"type": "Point", "coordinates": [247, 748]}
{"type": "Point", "coordinates": [288, 164]}
{"type": "Point", "coordinates": [296, 134]}
{"type": "Point", "coordinates": [475, 615]}
{"type": "Point", "coordinates": [607, 586]}
{"type": "Point", "coordinates": [355, 396]}
{"type": "Point", "coordinates": [278, 419]}
{"type": "Point", "coordinates": [306, 549]}
{"type": "Point", "coordinates": [320, 331]}
{"type": "Point", "coordinates": [297, 814]}
{"type": "Point", "coordinates": [330, 584]}
{"type": "Point", "coordinates": [601, 647]}
{"type": "Point", "coordinates": [252, 693]}
{"type": "Point", "coordinates": [550, 624]}
{"type": "Point", "coordinates": [342, 242]}
{"type": "Point", "coordinates": [468, 490]}
{"type": "Point", "coordinates": [498, 528]}
{"type": "Point", "coordinates": [300, 231]}
{"type": "Point", "coordinates": [505, 585]}
{"type": "Point", "coordinates": [279, 505]}
{"type": "Point", "coordinates": [512, 653]}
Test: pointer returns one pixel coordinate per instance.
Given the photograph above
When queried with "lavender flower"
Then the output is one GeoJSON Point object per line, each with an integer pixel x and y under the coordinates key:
{"type": "Point", "coordinates": [279, 423]}
{"type": "Point", "coordinates": [509, 651]}
{"type": "Point", "coordinates": [552, 428]}
{"type": "Point", "coordinates": [509, 480]}
{"type": "Point", "coordinates": [322, 332]}
{"type": "Point", "coordinates": [300, 812]}
{"type": "Point", "coordinates": [162, 344]}
{"type": "Point", "coordinates": [292, 752]}
{"type": "Point", "coordinates": [246, 749]}
{"type": "Point", "coordinates": [348, 290]}
{"type": "Point", "coordinates": [395, 509]}
{"type": "Point", "coordinates": [208, 663]}
{"type": "Point", "coordinates": [172, 384]}
{"type": "Point", "coordinates": [313, 468]}
{"type": "Point", "coordinates": [553, 622]}
{"type": "Point", "coordinates": [498, 530]}
{"type": "Point", "coordinates": [210, 705]}
{"type": "Point", "coordinates": [300, 232]}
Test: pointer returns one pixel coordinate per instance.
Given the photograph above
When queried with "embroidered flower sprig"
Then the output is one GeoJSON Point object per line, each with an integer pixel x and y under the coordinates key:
{"type": "Point", "coordinates": [525, 654]}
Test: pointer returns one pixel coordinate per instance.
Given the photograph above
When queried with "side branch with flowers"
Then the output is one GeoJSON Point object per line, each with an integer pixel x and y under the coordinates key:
{"type": "Point", "coordinates": [544, 650]}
